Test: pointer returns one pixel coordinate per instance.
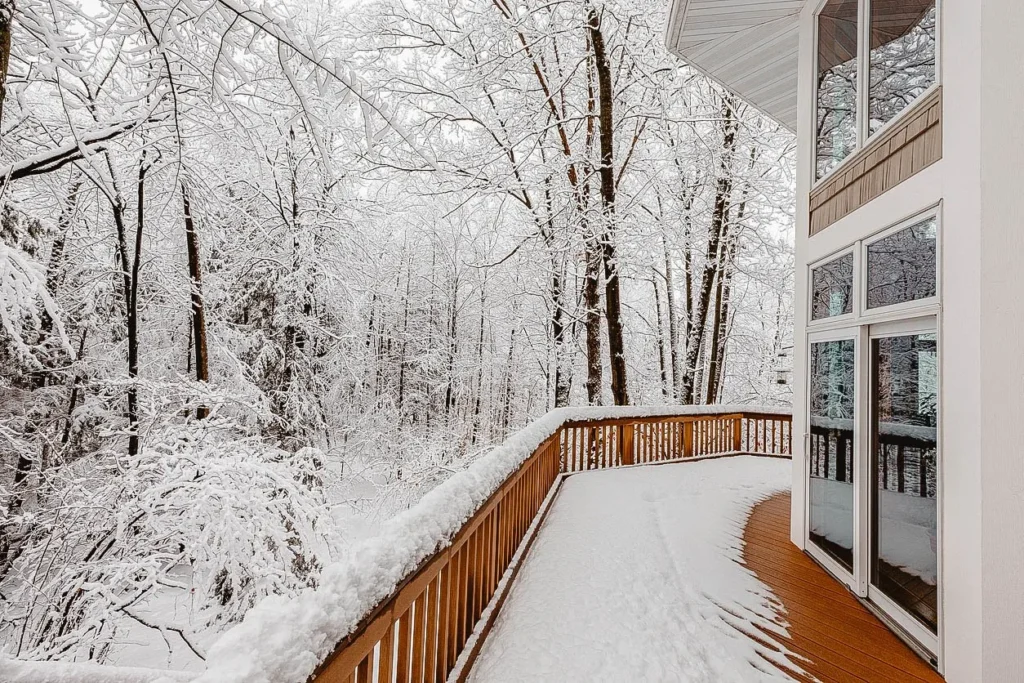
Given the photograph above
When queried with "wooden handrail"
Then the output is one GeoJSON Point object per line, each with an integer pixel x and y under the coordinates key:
{"type": "Point", "coordinates": [441, 611]}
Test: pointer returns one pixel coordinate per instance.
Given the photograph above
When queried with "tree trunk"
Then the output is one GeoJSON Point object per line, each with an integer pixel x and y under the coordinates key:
{"type": "Point", "coordinates": [606, 138]}
{"type": "Point", "coordinates": [198, 314]}
{"type": "Point", "coordinates": [717, 331]}
{"type": "Point", "coordinates": [6, 19]}
{"type": "Point", "coordinates": [660, 332]}
{"type": "Point", "coordinates": [720, 332]}
{"type": "Point", "coordinates": [592, 302]}
{"type": "Point", "coordinates": [132, 300]}
{"type": "Point", "coordinates": [563, 370]}
{"type": "Point", "coordinates": [719, 220]}
{"type": "Point", "coordinates": [453, 349]}
{"type": "Point", "coordinates": [405, 337]}
{"type": "Point", "coordinates": [479, 362]}
{"type": "Point", "coordinates": [673, 331]}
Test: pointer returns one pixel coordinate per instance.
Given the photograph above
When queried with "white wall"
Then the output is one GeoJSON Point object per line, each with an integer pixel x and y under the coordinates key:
{"type": "Point", "coordinates": [1002, 338]}
{"type": "Point", "coordinates": [961, 343]}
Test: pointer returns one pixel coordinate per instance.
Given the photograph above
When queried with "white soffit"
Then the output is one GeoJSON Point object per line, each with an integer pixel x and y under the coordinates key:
{"type": "Point", "coordinates": [749, 46]}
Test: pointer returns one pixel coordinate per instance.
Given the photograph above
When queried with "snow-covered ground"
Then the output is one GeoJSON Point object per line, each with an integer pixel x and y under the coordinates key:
{"type": "Point", "coordinates": [636, 575]}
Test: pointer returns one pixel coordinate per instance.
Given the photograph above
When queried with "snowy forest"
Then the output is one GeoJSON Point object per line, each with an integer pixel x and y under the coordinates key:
{"type": "Point", "coordinates": [268, 273]}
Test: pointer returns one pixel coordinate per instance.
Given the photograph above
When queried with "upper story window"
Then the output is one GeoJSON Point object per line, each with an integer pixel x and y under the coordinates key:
{"type": "Point", "coordinates": [898, 39]}
{"type": "Point", "coordinates": [832, 288]}
{"type": "Point", "coordinates": [902, 56]}
{"type": "Point", "coordinates": [902, 267]}
{"type": "Point", "coordinates": [837, 84]}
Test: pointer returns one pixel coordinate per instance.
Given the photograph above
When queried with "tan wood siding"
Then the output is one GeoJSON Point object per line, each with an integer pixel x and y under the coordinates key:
{"type": "Point", "coordinates": [905, 149]}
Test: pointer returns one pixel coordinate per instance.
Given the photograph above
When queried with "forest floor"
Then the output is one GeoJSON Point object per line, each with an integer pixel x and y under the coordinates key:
{"type": "Point", "coordinates": [636, 574]}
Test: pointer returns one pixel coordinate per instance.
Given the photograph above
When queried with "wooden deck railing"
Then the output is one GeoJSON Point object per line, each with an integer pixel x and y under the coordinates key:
{"type": "Point", "coordinates": [420, 632]}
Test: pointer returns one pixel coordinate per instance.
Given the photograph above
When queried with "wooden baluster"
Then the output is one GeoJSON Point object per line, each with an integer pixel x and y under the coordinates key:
{"type": "Point", "coordinates": [496, 568]}
{"type": "Point", "coordinates": [458, 606]}
{"type": "Point", "coordinates": [402, 646]}
{"type": "Point", "coordinates": [482, 581]}
{"type": "Point", "coordinates": [433, 630]}
{"type": "Point", "coordinates": [480, 538]}
{"type": "Point", "coordinates": [444, 622]}
{"type": "Point", "coordinates": [626, 442]}
{"type": "Point", "coordinates": [386, 658]}
{"type": "Point", "coordinates": [901, 474]}
{"type": "Point", "coordinates": [605, 445]}
{"type": "Point", "coordinates": [363, 670]}
{"type": "Point", "coordinates": [577, 449]}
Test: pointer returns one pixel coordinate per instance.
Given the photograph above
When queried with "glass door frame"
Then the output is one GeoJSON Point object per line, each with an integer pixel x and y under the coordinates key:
{"type": "Point", "coordinates": [855, 581]}
{"type": "Point", "coordinates": [931, 642]}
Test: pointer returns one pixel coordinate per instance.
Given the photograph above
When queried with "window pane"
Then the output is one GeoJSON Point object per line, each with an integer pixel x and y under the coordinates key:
{"type": "Point", "coordinates": [832, 288]}
{"type": "Point", "coordinates": [905, 532]}
{"type": "Point", "coordinates": [832, 448]}
{"type": "Point", "coordinates": [837, 84]}
{"type": "Point", "coordinates": [902, 56]}
{"type": "Point", "coordinates": [901, 267]}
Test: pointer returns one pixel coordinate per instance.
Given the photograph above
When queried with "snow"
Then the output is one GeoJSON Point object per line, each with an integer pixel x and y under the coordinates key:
{"type": "Point", "coordinates": [282, 640]}
{"type": "Point", "coordinates": [637, 575]}
{"type": "Point", "coordinates": [12, 671]}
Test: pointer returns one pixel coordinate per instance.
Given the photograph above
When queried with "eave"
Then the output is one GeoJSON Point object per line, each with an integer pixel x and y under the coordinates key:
{"type": "Point", "coordinates": [750, 47]}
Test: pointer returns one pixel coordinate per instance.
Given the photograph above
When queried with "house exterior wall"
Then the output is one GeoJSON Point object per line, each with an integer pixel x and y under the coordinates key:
{"type": "Point", "coordinates": [1002, 338]}
{"type": "Point", "coordinates": [981, 352]}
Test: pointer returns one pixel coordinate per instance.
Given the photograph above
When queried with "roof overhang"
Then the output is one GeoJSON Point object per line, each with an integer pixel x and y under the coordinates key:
{"type": "Point", "coordinates": [748, 46]}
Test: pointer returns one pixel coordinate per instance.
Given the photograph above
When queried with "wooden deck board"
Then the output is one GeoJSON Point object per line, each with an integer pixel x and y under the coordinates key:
{"type": "Point", "coordinates": [832, 636]}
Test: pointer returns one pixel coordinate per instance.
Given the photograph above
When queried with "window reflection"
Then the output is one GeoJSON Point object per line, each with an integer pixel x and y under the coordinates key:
{"type": "Point", "coordinates": [902, 56]}
{"type": "Point", "coordinates": [832, 288]}
{"type": "Point", "coordinates": [837, 84]}
{"type": "Point", "coordinates": [905, 531]}
{"type": "Point", "coordinates": [832, 448]}
{"type": "Point", "coordinates": [901, 267]}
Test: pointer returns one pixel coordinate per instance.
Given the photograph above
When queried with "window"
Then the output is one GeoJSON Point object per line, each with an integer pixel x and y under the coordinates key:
{"type": "Point", "coordinates": [832, 405]}
{"type": "Point", "coordinates": [899, 38]}
{"type": "Point", "coordinates": [832, 288]}
{"type": "Point", "coordinates": [837, 84]}
{"type": "Point", "coordinates": [902, 266]}
{"type": "Point", "coordinates": [904, 559]}
{"type": "Point", "coordinates": [902, 56]}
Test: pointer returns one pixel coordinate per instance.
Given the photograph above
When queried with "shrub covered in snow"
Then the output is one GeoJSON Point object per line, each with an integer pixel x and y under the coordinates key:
{"type": "Point", "coordinates": [200, 509]}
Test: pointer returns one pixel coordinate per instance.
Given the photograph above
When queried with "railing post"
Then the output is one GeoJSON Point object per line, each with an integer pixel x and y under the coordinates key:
{"type": "Point", "coordinates": [737, 433]}
{"type": "Point", "coordinates": [626, 444]}
{"type": "Point", "coordinates": [688, 439]}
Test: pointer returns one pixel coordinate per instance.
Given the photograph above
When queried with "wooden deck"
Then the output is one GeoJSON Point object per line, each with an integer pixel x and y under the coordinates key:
{"type": "Point", "coordinates": [834, 637]}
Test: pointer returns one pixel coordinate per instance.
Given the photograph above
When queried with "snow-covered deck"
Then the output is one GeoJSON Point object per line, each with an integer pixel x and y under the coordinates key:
{"type": "Point", "coordinates": [654, 573]}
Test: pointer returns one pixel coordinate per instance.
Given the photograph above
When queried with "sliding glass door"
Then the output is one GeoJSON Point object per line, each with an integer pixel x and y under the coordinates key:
{"type": "Point", "coordinates": [872, 435]}
{"type": "Point", "coordinates": [904, 463]}
{"type": "Point", "coordinates": [831, 474]}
